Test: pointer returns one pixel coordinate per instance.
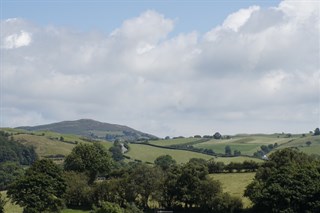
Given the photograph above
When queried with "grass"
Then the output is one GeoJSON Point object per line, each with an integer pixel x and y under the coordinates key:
{"type": "Point", "coordinates": [149, 154]}
{"type": "Point", "coordinates": [45, 146]}
{"type": "Point", "coordinates": [235, 184]}
{"type": "Point", "coordinates": [171, 142]}
{"type": "Point", "coordinates": [47, 143]}
{"type": "Point", "coordinates": [9, 207]}
{"type": "Point", "coordinates": [245, 144]}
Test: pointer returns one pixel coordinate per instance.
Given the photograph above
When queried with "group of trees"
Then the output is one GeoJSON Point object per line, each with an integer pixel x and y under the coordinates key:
{"type": "Point", "coordinates": [11, 150]}
{"type": "Point", "coordinates": [288, 182]}
{"type": "Point", "coordinates": [264, 149]}
{"type": "Point", "coordinates": [131, 187]}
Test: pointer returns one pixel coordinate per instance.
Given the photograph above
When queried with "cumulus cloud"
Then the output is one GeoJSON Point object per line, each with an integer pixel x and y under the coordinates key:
{"type": "Point", "coordinates": [258, 71]}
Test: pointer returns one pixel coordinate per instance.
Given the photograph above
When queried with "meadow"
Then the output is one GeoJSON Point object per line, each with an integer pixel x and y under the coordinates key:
{"type": "Point", "coordinates": [147, 153]}
{"type": "Point", "coordinates": [248, 144]}
{"type": "Point", "coordinates": [235, 184]}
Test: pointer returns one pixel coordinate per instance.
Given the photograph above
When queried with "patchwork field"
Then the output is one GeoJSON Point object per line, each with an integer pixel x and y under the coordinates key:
{"type": "Point", "coordinates": [248, 144]}
{"type": "Point", "coordinates": [147, 153]}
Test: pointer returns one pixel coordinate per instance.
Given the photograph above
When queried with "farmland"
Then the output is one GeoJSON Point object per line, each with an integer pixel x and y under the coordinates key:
{"type": "Point", "coordinates": [147, 153]}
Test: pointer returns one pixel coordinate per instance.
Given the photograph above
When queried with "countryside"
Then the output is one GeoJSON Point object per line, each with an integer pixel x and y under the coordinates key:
{"type": "Point", "coordinates": [143, 173]}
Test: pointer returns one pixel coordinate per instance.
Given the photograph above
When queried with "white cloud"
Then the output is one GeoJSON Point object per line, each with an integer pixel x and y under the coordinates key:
{"type": "Point", "coordinates": [17, 40]}
{"type": "Point", "coordinates": [256, 72]}
{"type": "Point", "coordinates": [236, 20]}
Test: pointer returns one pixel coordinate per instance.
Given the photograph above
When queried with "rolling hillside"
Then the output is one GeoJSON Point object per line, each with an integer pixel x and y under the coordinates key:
{"type": "Point", "coordinates": [92, 129]}
{"type": "Point", "coordinates": [247, 144]}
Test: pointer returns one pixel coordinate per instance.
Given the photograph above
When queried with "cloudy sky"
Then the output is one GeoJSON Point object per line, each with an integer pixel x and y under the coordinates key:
{"type": "Point", "coordinates": [163, 67]}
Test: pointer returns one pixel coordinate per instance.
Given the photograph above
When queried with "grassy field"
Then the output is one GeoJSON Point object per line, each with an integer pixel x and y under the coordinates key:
{"type": "Point", "coordinates": [247, 144]}
{"type": "Point", "coordinates": [235, 184]}
{"type": "Point", "coordinates": [171, 142]}
{"type": "Point", "coordinates": [48, 143]}
{"type": "Point", "coordinates": [149, 154]}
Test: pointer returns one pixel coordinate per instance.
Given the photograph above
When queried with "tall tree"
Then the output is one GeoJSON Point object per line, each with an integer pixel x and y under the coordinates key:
{"type": "Point", "coordinates": [40, 189]}
{"type": "Point", "coordinates": [91, 159]}
{"type": "Point", "coordinates": [164, 161]}
{"type": "Point", "coordinates": [288, 182]}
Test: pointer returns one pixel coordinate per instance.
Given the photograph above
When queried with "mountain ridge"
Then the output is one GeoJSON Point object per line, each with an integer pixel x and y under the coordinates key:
{"type": "Point", "coordinates": [92, 129]}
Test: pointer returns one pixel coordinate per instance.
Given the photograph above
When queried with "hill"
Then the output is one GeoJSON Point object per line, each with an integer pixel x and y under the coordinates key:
{"type": "Point", "coordinates": [92, 129]}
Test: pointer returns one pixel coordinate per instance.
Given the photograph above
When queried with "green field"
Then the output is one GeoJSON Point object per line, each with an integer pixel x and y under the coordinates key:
{"type": "Point", "coordinates": [171, 142]}
{"type": "Point", "coordinates": [48, 143]}
{"type": "Point", "coordinates": [235, 184]}
{"type": "Point", "coordinates": [147, 153]}
{"type": "Point", "coordinates": [248, 144]}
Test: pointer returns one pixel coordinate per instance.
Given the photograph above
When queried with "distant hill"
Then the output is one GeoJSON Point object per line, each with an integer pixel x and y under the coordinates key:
{"type": "Point", "coordinates": [92, 129]}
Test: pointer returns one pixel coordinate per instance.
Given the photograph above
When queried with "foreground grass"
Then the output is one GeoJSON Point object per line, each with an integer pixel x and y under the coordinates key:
{"type": "Point", "coordinates": [235, 184]}
{"type": "Point", "coordinates": [9, 207]}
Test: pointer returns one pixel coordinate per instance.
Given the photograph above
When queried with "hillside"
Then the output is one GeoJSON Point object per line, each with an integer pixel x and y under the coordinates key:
{"type": "Point", "coordinates": [92, 129]}
{"type": "Point", "coordinates": [247, 144]}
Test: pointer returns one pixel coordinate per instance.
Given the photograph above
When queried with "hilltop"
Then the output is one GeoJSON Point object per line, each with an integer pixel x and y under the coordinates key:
{"type": "Point", "coordinates": [92, 129]}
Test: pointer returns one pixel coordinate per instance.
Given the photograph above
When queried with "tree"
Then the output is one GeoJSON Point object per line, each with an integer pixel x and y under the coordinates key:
{"type": "Point", "coordinates": [217, 135]}
{"type": "Point", "coordinates": [116, 151]}
{"type": "Point", "coordinates": [144, 184]}
{"type": "Point", "coordinates": [78, 192]}
{"type": "Point", "coordinates": [164, 161]}
{"type": "Point", "coordinates": [11, 150]}
{"type": "Point", "coordinates": [228, 151]}
{"type": "Point", "coordinates": [90, 159]}
{"type": "Point", "coordinates": [288, 182]}
{"type": "Point", "coordinates": [236, 152]}
{"type": "Point", "coordinates": [215, 167]}
{"type": "Point", "coordinates": [308, 143]}
{"type": "Point", "coordinates": [40, 189]}
{"type": "Point", "coordinates": [316, 131]}
{"type": "Point", "coordinates": [9, 172]}
{"type": "Point", "coordinates": [107, 207]}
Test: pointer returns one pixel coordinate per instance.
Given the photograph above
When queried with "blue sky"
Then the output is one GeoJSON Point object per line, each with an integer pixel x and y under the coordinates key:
{"type": "Point", "coordinates": [106, 15]}
{"type": "Point", "coordinates": [162, 67]}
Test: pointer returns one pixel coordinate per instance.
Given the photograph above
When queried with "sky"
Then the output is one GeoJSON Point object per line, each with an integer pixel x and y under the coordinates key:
{"type": "Point", "coordinates": [162, 67]}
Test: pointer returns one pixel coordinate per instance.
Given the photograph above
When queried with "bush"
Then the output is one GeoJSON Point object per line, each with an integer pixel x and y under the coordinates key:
{"type": "Point", "coordinates": [107, 207]}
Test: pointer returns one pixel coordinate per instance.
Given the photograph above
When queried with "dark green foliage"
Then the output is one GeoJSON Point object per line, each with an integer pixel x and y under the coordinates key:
{"type": "Point", "coordinates": [215, 167]}
{"type": "Point", "coordinates": [11, 150]}
{"type": "Point", "coordinates": [288, 182]}
{"type": "Point", "coordinates": [317, 131]}
{"type": "Point", "coordinates": [164, 161]}
{"type": "Point", "coordinates": [144, 182]}
{"type": "Point", "coordinates": [91, 159]}
{"type": "Point", "coordinates": [78, 193]}
{"type": "Point", "coordinates": [116, 151]}
{"type": "Point", "coordinates": [265, 150]}
{"type": "Point", "coordinates": [9, 172]}
{"type": "Point", "coordinates": [236, 153]}
{"type": "Point", "coordinates": [227, 151]}
{"type": "Point", "coordinates": [217, 135]}
{"type": "Point", "coordinates": [107, 207]}
{"type": "Point", "coordinates": [308, 143]}
{"type": "Point", "coordinates": [40, 189]}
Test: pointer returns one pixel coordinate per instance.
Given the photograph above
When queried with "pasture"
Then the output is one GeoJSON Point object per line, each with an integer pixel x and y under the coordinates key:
{"type": "Point", "coordinates": [147, 153]}
{"type": "Point", "coordinates": [235, 184]}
